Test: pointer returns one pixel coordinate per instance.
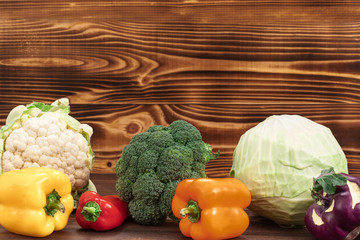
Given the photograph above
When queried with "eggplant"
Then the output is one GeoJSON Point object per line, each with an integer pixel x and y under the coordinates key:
{"type": "Point", "coordinates": [336, 213]}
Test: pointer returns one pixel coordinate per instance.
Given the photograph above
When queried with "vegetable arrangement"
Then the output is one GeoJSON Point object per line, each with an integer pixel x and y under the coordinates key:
{"type": "Point", "coordinates": [278, 159]}
{"type": "Point", "coordinates": [46, 159]}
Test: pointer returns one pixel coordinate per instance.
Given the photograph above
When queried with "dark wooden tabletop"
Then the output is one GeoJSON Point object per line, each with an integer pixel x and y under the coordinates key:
{"type": "Point", "coordinates": [259, 227]}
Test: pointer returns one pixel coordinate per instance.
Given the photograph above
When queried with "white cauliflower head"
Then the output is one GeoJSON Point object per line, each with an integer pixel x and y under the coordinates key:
{"type": "Point", "coordinates": [47, 136]}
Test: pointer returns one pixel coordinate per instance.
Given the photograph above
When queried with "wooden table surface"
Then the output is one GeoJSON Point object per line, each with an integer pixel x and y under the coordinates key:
{"type": "Point", "coordinates": [259, 227]}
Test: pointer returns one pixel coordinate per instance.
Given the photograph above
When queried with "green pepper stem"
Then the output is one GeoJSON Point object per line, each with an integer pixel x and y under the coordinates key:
{"type": "Point", "coordinates": [91, 211]}
{"type": "Point", "coordinates": [53, 204]}
{"type": "Point", "coordinates": [192, 211]}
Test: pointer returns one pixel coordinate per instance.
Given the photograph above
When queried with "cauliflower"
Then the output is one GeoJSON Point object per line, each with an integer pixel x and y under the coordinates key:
{"type": "Point", "coordinates": [41, 135]}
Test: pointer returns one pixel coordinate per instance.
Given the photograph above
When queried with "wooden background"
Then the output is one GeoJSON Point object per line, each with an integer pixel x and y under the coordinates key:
{"type": "Point", "coordinates": [223, 66]}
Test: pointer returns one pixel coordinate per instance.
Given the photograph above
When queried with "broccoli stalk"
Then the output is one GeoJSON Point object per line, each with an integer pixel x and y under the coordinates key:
{"type": "Point", "coordinates": [152, 165]}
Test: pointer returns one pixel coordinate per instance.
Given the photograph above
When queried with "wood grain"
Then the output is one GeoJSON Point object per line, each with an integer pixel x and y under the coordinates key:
{"type": "Point", "coordinates": [224, 66]}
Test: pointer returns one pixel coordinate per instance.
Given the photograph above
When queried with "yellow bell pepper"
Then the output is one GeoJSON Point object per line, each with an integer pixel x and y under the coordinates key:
{"type": "Point", "coordinates": [35, 201]}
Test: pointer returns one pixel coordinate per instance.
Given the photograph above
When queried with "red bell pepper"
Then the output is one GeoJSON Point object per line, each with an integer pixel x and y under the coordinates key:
{"type": "Point", "coordinates": [101, 213]}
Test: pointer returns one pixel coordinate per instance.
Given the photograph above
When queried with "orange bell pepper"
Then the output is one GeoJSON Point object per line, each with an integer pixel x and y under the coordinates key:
{"type": "Point", "coordinates": [211, 208]}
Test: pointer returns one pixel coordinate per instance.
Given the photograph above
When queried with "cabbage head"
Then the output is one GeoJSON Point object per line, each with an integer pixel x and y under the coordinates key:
{"type": "Point", "coordinates": [278, 159]}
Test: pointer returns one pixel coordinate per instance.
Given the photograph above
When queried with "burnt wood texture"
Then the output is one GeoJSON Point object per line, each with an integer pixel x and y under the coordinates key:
{"type": "Point", "coordinates": [223, 66]}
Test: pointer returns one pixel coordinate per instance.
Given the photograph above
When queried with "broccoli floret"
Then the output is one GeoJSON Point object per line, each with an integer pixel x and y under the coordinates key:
{"type": "Point", "coordinates": [131, 174]}
{"type": "Point", "coordinates": [152, 165]}
{"type": "Point", "coordinates": [124, 188]}
{"type": "Point", "coordinates": [146, 214]}
{"type": "Point", "coordinates": [175, 163]}
{"type": "Point", "coordinates": [198, 169]}
{"type": "Point", "coordinates": [119, 168]}
{"type": "Point", "coordinates": [147, 161]}
{"type": "Point", "coordinates": [160, 140]}
{"type": "Point", "coordinates": [131, 153]}
{"type": "Point", "coordinates": [148, 188]}
{"type": "Point", "coordinates": [166, 199]}
{"type": "Point", "coordinates": [200, 150]}
{"type": "Point", "coordinates": [156, 128]}
{"type": "Point", "coordinates": [184, 132]}
{"type": "Point", "coordinates": [141, 137]}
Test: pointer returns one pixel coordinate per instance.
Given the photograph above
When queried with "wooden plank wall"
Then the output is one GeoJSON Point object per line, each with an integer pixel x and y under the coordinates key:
{"type": "Point", "coordinates": [224, 66]}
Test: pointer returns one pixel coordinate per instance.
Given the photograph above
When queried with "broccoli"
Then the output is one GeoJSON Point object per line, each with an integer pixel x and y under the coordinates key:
{"type": "Point", "coordinates": [166, 199]}
{"type": "Point", "coordinates": [146, 214]}
{"type": "Point", "coordinates": [124, 188]}
{"type": "Point", "coordinates": [175, 163]}
{"type": "Point", "coordinates": [148, 188]}
{"type": "Point", "coordinates": [152, 165]}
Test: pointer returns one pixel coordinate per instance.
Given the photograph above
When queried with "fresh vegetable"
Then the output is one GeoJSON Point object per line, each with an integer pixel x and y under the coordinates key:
{"type": "Point", "coordinates": [277, 160]}
{"type": "Point", "coordinates": [101, 213]}
{"type": "Point", "coordinates": [336, 213]}
{"type": "Point", "coordinates": [35, 201]}
{"type": "Point", "coordinates": [42, 135]}
{"type": "Point", "coordinates": [152, 165]}
{"type": "Point", "coordinates": [211, 209]}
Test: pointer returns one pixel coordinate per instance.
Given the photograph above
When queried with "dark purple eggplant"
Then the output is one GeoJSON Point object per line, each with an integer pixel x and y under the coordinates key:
{"type": "Point", "coordinates": [336, 213]}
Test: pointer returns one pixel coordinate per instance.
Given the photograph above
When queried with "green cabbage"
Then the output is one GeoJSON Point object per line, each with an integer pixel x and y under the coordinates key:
{"type": "Point", "coordinates": [278, 159]}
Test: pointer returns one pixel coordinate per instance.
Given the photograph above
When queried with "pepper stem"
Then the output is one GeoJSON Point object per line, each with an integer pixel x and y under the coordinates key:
{"type": "Point", "coordinates": [91, 211]}
{"type": "Point", "coordinates": [53, 204]}
{"type": "Point", "coordinates": [192, 211]}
